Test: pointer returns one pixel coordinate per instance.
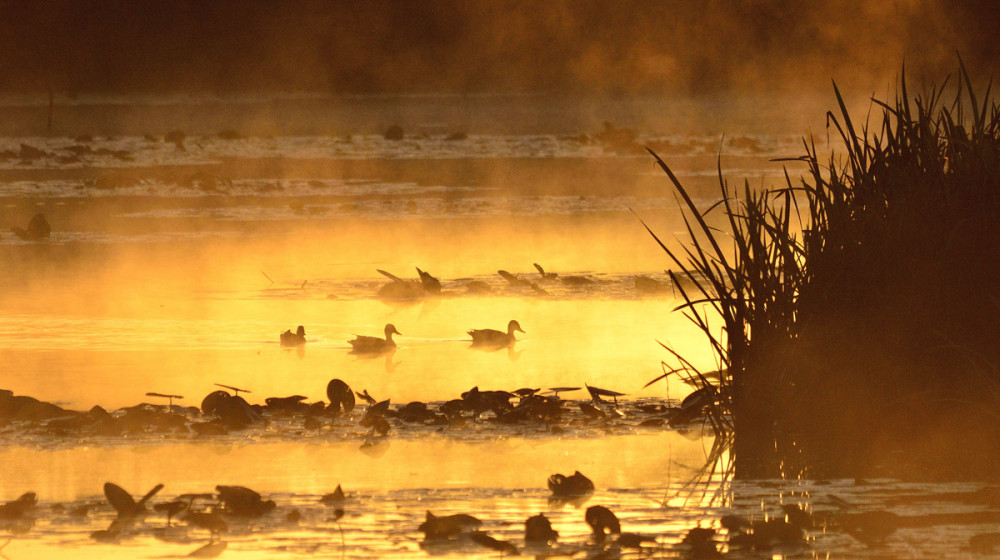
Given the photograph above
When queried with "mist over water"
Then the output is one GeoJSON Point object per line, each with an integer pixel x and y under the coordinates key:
{"type": "Point", "coordinates": [216, 174]}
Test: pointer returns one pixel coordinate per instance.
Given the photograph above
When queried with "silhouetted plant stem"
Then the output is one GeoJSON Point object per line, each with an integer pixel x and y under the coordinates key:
{"type": "Point", "coordinates": [860, 311]}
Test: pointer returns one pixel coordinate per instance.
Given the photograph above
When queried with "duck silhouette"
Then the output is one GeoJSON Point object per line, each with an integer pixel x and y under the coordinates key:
{"type": "Point", "coordinates": [403, 290]}
{"type": "Point", "coordinates": [430, 284]}
{"type": "Point", "coordinates": [373, 344]}
{"type": "Point", "coordinates": [568, 486]}
{"type": "Point", "coordinates": [297, 338]}
{"type": "Point", "coordinates": [495, 338]}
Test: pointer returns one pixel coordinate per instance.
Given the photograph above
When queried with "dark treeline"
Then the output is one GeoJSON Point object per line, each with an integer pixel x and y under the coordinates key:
{"type": "Point", "coordinates": [480, 45]}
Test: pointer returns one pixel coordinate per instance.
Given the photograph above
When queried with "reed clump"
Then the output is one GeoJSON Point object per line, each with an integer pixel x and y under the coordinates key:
{"type": "Point", "coordinates": [860, 305]}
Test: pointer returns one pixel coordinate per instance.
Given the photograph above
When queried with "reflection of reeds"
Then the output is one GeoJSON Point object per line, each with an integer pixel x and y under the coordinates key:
{"type": "Point", "coordinates": [860, 308]}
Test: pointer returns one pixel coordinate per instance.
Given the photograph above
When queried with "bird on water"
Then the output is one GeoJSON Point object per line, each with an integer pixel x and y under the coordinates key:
{"type": "Point", "coordinates": [373, 344]}
{"type": "Point", "coordinates": [491, 337]}
{"type": "Point", "coordinates": [297, 338]}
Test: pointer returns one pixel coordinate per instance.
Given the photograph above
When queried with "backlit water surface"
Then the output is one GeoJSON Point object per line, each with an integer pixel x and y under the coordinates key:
{"type": "Point", "coordinates": [172, 271]}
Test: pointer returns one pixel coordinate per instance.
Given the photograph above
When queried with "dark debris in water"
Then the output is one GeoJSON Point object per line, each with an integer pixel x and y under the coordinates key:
{"type": "Point", "coordinates": [475, 415]}
{"type": "Point", "coordinates": [806, 519]}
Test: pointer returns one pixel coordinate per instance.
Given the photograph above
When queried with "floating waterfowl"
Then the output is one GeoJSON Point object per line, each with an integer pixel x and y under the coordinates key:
{"type": "Point", "coordinates": [17, 508]}
{"type": "Point", "coordinates": [570, 486]}
{"type": "Point", "coordinates": [545, 275]}
{"type": "Point", "coordinates": [431, 284]}
{"type": "Point", "coordinates": [401, 289]}
{"type": "Point", "coordinates": [297, 338]}
{"type": "Point", "coordinates": [495, 338]}
{"type": "Point", "coordinates": [373, 344]}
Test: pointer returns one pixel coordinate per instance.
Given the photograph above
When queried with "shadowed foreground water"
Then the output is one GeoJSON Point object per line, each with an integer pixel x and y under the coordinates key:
{"type": "Point", "coordinates": [501, 481]}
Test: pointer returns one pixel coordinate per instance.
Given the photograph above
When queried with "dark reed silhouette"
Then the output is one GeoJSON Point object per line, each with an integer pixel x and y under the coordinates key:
{"type": "Point", "coordinates": [859, 306]}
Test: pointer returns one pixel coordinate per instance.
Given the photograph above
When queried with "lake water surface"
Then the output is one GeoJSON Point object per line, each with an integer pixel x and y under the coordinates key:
{"type": "Point", "coordinates": [172, 268]}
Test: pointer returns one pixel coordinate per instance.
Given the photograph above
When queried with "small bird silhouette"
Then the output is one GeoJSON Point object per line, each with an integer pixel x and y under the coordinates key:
{"type": "Point", "coordinates": [297, 338]}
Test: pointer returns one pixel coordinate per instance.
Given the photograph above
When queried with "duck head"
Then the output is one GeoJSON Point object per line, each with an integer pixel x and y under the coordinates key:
{"type": "Point", "coordinates": [514, 326]}
{"type": "Point", "coordinates": [301, 331]}
{"type": "Point", "coordinates": [390, 330]}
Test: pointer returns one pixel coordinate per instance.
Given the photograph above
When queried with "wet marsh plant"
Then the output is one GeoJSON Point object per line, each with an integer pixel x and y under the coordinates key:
{"type": "Point", "coordinates": [860, 307]}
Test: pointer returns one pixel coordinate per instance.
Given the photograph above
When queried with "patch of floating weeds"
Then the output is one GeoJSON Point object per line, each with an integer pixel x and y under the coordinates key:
{"type": "Point", "coordinates": [225, 415]}
{"type": "Point", "coordinates": [835, 518]}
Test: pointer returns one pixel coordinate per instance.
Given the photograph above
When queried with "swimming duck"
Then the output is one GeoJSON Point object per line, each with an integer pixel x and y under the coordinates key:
{"type": "Point", "coordinates": [490, 337]}
{"type": "Point", "coordinates": [298, 338]}
{"type": "Point", "coordinates": [574, 485]}
{"type": "Point", "coordinates": [373, 344]}
{"type": "Point", "coordinates": [430, 284]}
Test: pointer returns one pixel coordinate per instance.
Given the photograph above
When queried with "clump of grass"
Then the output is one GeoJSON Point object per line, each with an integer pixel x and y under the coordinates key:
{"type": "Point", "coordinates": [860, 307]}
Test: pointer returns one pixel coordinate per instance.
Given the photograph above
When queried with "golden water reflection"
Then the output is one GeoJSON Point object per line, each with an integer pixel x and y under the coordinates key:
{"type": "Point", "coordinates": [85, 360]}
{"type": "Point", "coordinates": [317, 468]}
{"type": "Point", "coordinates": [90, 325]}
{"type": "Point", "coordinates": [502, 482]}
